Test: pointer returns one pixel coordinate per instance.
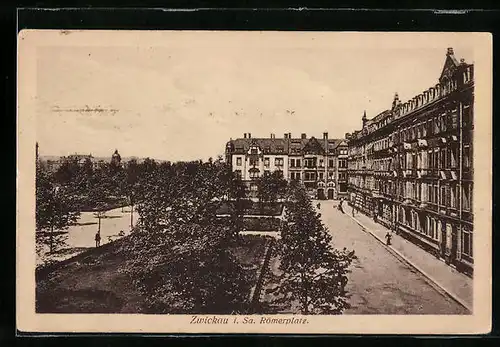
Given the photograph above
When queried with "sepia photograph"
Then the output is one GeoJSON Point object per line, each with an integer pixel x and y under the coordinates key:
{"type": "Point", "coordinates": [300, 182]}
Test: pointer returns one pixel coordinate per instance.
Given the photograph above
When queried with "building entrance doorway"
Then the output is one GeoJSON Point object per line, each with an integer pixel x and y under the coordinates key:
{"type": "Point", "coordinates": [321, 194]}
{"type": "Point", "coordinates": [331, 194]}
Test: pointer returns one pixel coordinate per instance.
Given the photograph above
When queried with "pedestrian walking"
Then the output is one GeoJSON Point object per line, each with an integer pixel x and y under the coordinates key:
{"type": "Point", "coordinates": [341, 205]}
{"type": "Point", "coordinates": [353, 209]}
{"type": "Point", "coordinates": [388, 238]}
{"type": "Point", "coordinates": [97, 239]}
{"type": "Point", "coordinates": [318, 205]}
{"type": "Point", "coordinates": [375, 215]}
{"type": "Point", "coordinates": [121, 233]}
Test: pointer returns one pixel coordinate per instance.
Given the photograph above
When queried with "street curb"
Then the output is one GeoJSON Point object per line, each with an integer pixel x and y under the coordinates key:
{"type": "Point", "coordinates": [401, 257]}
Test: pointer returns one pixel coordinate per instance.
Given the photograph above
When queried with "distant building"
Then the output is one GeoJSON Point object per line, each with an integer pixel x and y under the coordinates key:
{"type": "Point", "coordinates": [412, 166]}
{"type": "Point", "coordinates": [116, 158]}
{"type": "Point", "coordinates": [320, 164]}
{"type": "Point", "coordinates": [54, 164]}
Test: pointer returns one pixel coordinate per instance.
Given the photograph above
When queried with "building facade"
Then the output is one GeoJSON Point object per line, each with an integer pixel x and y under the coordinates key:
{"type": "Point", "coordinates": [320, 164]}
{"type": "Point", "coordinates": [412, 166]}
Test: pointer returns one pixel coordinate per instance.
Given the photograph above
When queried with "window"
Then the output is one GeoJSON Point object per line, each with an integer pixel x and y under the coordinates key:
{"type": "Point", "coordinates": [454, 120]}
{"type": "Point", "coordinates": [253, 151]}
{"type": "Point", "coordinates": [266, 162]}
{"type": "Point", "coordinates": [292, 162]}
{"type": "Point", "coordinates": [321, 163]}
{"type": "Point", "coordinates": [321, 175]}
{"type": "Point", "coordinates": [330, 174]}
{"type": "Point", "coordinates": [297, 162]}
{"type": "Point", "coordinates": [237, 173]}
{"type": "Point", "coordinates": [254, 173]}
{"type": "Point", "coordinates": [467, 196]}
{"type": "Point", "coordinates": [466, 156]}
{"type": "Point", "coordinates": [442, 122]}
{"type": "Point", "coordinates": [330, 162]}
{"type": "Point", "coordinates": [309, 163]}
{"type": "Point", "coordinates": [254, 161]}
{"type": "Point", "coordinates": [467, 241]}
{"type": "Point", "coordinates": [442, 196]}
{"type": "Point", "coordinates": [342, 163]}
{"type": "Point", "coordinates": [279, 149]}
{"type": "Point", "coordinates": [442, 158]}
{"type": "Point", "coordinates": [295, 175]}
{"type": "Point", "coordinates": [267, 172]}
{"type": "Point", "coordinates": [309, 176]}
{"type": "Point", "coordinates": [278, 162]}
{"type": "Point", "coordinates": [253, 187]}
{"type": "Point", "coordinates": [238, 161]}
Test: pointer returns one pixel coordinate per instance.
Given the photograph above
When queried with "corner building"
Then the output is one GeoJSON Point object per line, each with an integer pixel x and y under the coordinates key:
{"type": "Point", "coordinates": [319, 164]}
{"type": "Point", "coordinates": [412, 166]}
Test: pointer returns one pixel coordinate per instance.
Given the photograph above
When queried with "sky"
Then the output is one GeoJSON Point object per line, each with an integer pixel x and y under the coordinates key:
{"type": "Point", "coordinates": [183, 95]}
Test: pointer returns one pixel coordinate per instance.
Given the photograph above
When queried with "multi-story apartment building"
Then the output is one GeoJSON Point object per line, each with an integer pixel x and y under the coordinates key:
{"type": "Point", "coordinates": [412, 166]}
{"type": "Point", "coordinates": [320, 164]}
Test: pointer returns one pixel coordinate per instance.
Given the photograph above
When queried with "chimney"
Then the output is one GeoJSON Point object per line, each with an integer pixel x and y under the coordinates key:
{"type": "Point", "coordinates": [245, 135]}
{"type": "Point", "coordinates": [450, 51]}
{"type": "Point", "coordinates": [286, 135]}
{"type": "Point", "coordinates": [325, 135]}
{"type": "Point", "coordinates": [364, 119]}
{"type": "Point", "coordinates": [249, 135]}
{"type": "Point", "coordinates": [272, 135]}
{"type": "Point", "coordinates": [303, 136]}
{"type": "Point", "coordinates": [289, 135]}
{"type": "Point", "coordinates": [347, 136]}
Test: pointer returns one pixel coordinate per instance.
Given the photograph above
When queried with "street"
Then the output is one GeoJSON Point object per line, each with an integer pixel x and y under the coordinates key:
{"type": "Point", "coordinates": [380, 283]}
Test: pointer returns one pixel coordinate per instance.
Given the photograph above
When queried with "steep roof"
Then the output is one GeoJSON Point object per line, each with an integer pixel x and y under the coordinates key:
{"type": "Point", "coordinates": [273, 145]}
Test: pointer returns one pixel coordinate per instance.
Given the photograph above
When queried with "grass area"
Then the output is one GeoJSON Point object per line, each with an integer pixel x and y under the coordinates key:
{"type": "Point", "coordinates": [261, 224]}
{"type": "Point", "coordinates": [100, 281]}
{"type": "Point", "coordinates": [254, 208]}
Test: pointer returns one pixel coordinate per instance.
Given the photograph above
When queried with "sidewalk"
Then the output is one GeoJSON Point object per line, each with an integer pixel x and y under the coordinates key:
{"type": "Point", "coordinates": [455, 284]}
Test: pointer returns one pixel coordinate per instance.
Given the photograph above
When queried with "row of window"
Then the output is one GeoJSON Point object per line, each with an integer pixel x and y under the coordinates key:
{"type": "Point", "coordinates": [433, 126]}
{"type": "Point", "coordinates": [308, 162]}
{"type": "Point", "coordinates": [432, 227]}
{"type": "Point", "coordinates": [308, 176]}
{"type": "Point", "coordinates": [436, 158]}
{"type": "Point", "coordinates": [441, 194]}
{"type": "Point", "coordinates": [381, 144]}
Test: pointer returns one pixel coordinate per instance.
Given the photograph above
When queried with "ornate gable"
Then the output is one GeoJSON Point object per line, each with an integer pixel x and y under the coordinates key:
{"type": "Point", "coordinates": [450, 65]}
{"type": "Point", "coordinates": [313, 147]}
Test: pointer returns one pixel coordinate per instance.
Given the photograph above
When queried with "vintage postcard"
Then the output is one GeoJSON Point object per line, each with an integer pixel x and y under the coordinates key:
{"type": "Point", "coordinates": [254, 182]}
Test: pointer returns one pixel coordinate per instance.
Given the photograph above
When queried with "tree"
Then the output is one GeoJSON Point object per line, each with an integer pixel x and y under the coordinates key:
{"type": "Point", "coordinates": [237, 194]}
{"type": "Point", "coordinates": [100, 190]}
{"type": "Point", "coordinates": [130, 186]}
{"type": "Point", "coordinates": [314, 273]}
{"type": "Point", "coordinates": [56, 210]}
{"type": "Point", "coordinates": [187, 269]}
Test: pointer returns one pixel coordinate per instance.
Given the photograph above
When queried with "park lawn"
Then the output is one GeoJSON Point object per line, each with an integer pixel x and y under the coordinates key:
{"type": "Point", "coordinates": [253, 208]}
{"type": "Point", "coordinates": [97, 281]}
{"type": "Point", "coordinates": [261, 224]}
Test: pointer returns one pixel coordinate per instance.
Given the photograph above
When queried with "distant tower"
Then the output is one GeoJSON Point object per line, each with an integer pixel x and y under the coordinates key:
{"type": "Point", "coordinates": [116, 158]}
{"type": "Point", "coordinates": [36, 151]}
{"type": "Point", "coordinates": [364, 119]}
{"type": "Point", "coordinates": [396, 101]}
